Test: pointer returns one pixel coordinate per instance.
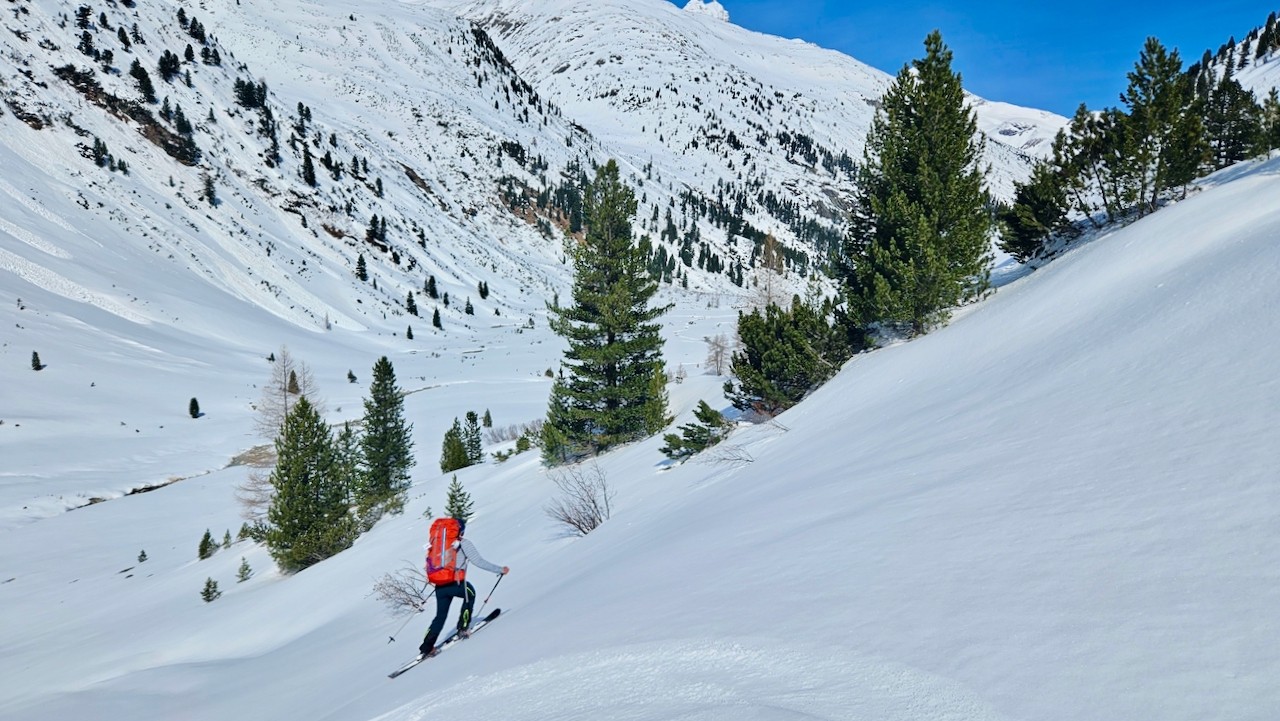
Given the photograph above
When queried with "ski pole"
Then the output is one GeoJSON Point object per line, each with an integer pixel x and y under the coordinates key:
{"type": "Point", "coordinates": [486, 598]}
{"type": "Point", "coordinates": [392, 638]}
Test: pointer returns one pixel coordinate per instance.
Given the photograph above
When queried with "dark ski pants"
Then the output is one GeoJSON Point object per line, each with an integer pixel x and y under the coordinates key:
{"type": "Point", "coordinates": [444, 599]}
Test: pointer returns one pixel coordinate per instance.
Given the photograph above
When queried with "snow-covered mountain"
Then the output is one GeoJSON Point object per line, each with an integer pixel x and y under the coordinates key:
{"type": "Point", "coordinates": [719, 110]}
{"type": "Point", "coordinates": [1059, 507]}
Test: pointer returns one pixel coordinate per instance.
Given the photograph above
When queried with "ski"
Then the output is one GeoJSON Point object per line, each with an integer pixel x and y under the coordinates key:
{"type": "Point", "coordinates": [448, 641]}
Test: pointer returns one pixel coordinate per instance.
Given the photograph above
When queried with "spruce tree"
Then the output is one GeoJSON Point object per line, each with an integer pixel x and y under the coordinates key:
{"type": "Point", "coordinates": [36, 365]}
{"type": "Point", "coordinates": [362, 270]}
{"type": "Point", "coordinates": [387, 444]}
{"type": "Point", "coordinates": [458, 503]}
{"type": "Point", "coordinates": [614, 341]}
{"type": "Point", "coordinates": [919, 237]}
{"type": "Point", "coordinates": [308, 519]}
{"type": "Point", "coordinates": [193, 408]}
{"type": "Point", "coordinates": [244, 573]}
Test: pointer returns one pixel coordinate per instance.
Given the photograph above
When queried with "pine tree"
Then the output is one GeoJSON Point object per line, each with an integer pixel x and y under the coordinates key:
{"type": "Point", "coordinates": [431, 288]}
{"type": "Point", "coordinates": [1039, 210]}
{"type": "Point", "coordinates": [458, 503]}
{"type": "Point", "coordinates": [193, 408]}
{"type": "Point", "coordinates": [1160, 125]}
{"type": "Point", "coordinates": [1233, 123]}
{"type": "Point", "coordinates": [210, 593]}
{"type": "Point", "coordinates": [386, 446]}
{"type": "Point", "coordinates": [244, 573]}
{"type": "Point", "coordinates": [362, 270]}
{"type": "Point", "coordinates": [453, 452]}
{"type": "Point", "coordinates": [36, 365]}
{"type": "Point", "coordinates": [471, 439]}
{"type": "Point", "coordinates": [1270, 121]}
{"type": "Point", "coordinates": [709, 429]}
{"type": "Point", "coordinates": [435, 318]}
{"type": "Point", "coordinates": [206, 546]}
{"type": "Point", "coordinates": [409, 333]}
{"type": "Point", "coordinates": [784, 354]}
{"type": "Point", "coordinates": [226, 539]}
{"type": "Point", "coordinates": [308, 519]}
{"type": "Point", "coordinates": [919, 237]}
{"type": "Point", "coordinates": [487, 420]}
{"type": "Point", "coordinates": [410, 305]}
{"type": "Point", "coordinates": [614, 341]}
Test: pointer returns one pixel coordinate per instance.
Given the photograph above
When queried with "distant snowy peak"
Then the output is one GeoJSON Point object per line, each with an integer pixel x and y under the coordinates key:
{"type": "Point", "coordinates": [711, 9]}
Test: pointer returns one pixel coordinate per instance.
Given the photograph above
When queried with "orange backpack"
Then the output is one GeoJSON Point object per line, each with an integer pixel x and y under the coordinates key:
{"type": "Point", "coordinates": [442, 553]}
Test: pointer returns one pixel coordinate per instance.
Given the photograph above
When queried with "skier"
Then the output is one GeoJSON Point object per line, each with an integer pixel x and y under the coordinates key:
{"type": "Point", "coordinates": [447, 559]}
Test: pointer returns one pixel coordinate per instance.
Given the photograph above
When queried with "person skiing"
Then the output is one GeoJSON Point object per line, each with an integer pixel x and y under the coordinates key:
{"type": "Point", "coordinates": [448, 556]}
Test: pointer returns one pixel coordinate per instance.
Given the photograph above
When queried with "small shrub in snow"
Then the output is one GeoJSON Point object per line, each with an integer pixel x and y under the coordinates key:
{"type": "Point", "coordinates": [585, 499]}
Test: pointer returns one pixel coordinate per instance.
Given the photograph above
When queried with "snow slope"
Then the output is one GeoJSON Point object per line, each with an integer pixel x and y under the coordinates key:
{"type": "Point", "coordinates": [1061, 506]}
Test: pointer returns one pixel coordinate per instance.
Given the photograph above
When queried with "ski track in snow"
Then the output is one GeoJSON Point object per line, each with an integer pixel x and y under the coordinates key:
{"type": "Point", "coordinates": [707, 679]}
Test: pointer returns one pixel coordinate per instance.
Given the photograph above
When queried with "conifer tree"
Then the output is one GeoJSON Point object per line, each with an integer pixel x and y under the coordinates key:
{"type": "Point", "coordinates": [614, 343]}
{"type": "Point", "coordinates": [308, 519]}
{"type": "Point", "coordinates": [458, 503]}
{"type": "Point", "coordinates": [36, 365]}
{"type": "Point", "coordinates": [308, 166]}
{"type": "Point", "coordinates": [206, 548]}
{"type": "Point", "coordinates": [1233, 123]}
{"type": "Point", "coordinates": [362, 270]}
{"type": "Point", "coordinates": [471, 439]}
{"type": "Point", "coordinates": [1039, 210]}
{"type": "Point", "coordinates": [918, 240]}
{"type": "Point", "coordinates": [410, 305]}
{"type": "Point", "coordinates": [244, 573]}
{"type": "Point", "coordinates": [435, 318]}
{"type": "Point", "coordinates": [1160, 126]}
{"type": "Point", "coordinates": [210, 592]}
{"type": "Point", "coordinates": [386, 445]}
{"type": "Point", "coordinates": [453, 452]}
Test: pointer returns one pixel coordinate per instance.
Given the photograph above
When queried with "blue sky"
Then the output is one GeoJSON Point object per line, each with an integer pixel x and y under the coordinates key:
{"type": "Point", "coordinates": [1044, 55]}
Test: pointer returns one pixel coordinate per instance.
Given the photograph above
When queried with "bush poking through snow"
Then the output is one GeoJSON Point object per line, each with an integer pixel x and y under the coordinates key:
{"type": "Point", "coordinates": [405, 590]}
{"type": "Point", "coordinates": [585, 499]}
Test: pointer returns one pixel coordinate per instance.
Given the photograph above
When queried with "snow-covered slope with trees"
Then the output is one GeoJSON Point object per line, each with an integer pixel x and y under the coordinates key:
{"type": "Point", "coordinates": [744, 119]}
{"type": "Point", "coordinates": [1059, 507]}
